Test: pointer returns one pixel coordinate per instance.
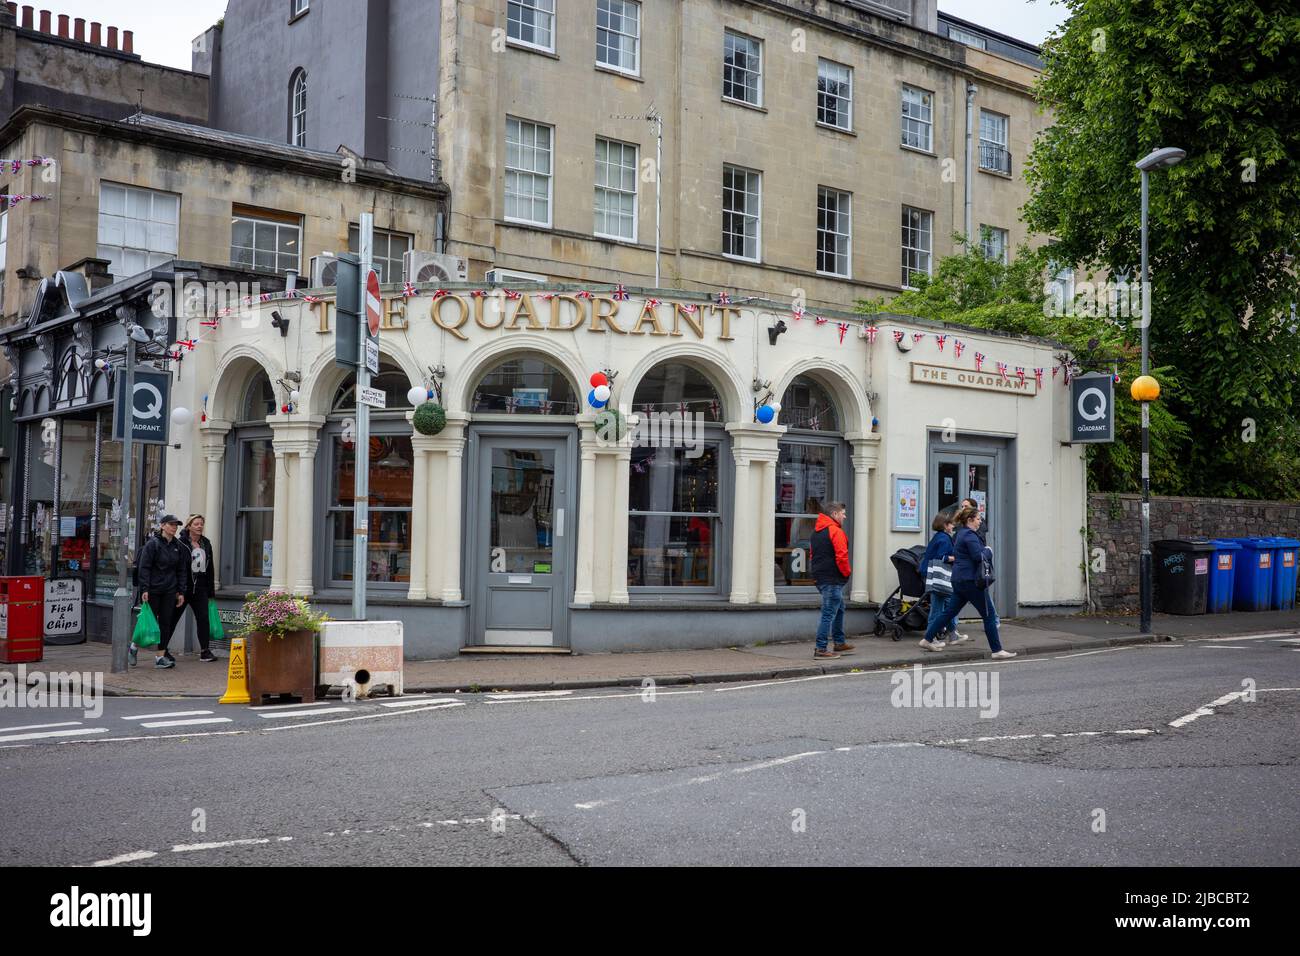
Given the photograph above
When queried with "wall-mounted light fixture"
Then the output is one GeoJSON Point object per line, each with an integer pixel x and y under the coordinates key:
{"type": "Point", "coordinates": [279, 322]}
{"type": "Point", "coordinates": [775, 331]}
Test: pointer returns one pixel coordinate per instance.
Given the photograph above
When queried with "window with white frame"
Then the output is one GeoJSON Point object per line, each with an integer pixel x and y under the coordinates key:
{"type": "Point", "coordinates": [1060, 287]}
{"type": "Point", "coordinates": [993, 243]}
{"type": "Point", "coordinates": [299, 7]}
{"type": "Point", "coordinates": [917, 243]}
{"type": "Point", "coordinates": [265, 240]}
{"type": "Point", "coordinates": [742, 69]}
{"type": "Point", "coordinates": [531, 22]}
{"type": "Point", "coordinates": [616, 168]}
{"type": "Point", "coordinates": [618, 35]}
{"type": "Point", "coordinates": [741, 212]}
{"type": "Point", "coordinates": [387, 251]}
{"type": "Point", "coordinates": [965, 36]}
{"type": "Point", "coordinates": [298, 109]}
{"type": "Point", "coordinates": [528, 171]}
{"type": "Point", "coordinates": [834, 94]}
{"type": "Point", "coordinates": [138, 228]}
{"type": "Point", "coordinates": [833, 231]}
{"type": "Point", "coordinates": [918, 118]}
{"type": "Point", "coordinates": [994, 154]}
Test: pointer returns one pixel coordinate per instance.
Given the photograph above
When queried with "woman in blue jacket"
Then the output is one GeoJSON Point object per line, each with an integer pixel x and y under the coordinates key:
{"type": "Point", "coordinates": [940, 549]}
{"type": "Point", "coordinates": [968, 552]}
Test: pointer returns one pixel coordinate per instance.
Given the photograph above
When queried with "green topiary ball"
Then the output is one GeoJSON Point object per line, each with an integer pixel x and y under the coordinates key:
{"type": "Point", "coordinates": [610, 425]}
{"type": "Point", "coordinates": [430, 418]}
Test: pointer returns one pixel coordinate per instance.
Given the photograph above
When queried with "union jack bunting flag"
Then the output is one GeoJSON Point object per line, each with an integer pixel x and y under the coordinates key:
{"type": "Point", "coordinates": [511, 294]}
{"type": "Point", "coordinates": [723, 298]}
{"type": "Point", "coordinates": [653, 303]}
{"type": "Point", "coordinates": [210, 325]}
{"type": "Point", "coordinates": [1038, 377]}
{"type": "Point", "coordinates": [917, 336]}
{"type": "Point", "coordinates": [584, 294]}
{"type": "Point", "coordinates": [1055, 369]}
{"type": "Point", "coordinates": [439, 293]}
{"type": "Point", "coordinates": [819, 320]}
{"type": "Point", "coordinates": [715, 408]}
{"type": "Point", "coordinates": [1020, 372]}
{"type": "Point", "coordinates": [689, 309]}
{"type": "Point", "coordinates": [797, 312]}
{"type": "Point", "coordinates": [683, 408]}
{"type": "Point", "coordinates": [870, 332]}
{"type": "Point", "coordinates": [548, 296]}
{"type": "Point", "coordinates": [979, 361]}
{"type": "Point", "coordinates": [186, 344]}
{"type": "Point", "coordinates": [940, 339]}
{"type": "Point", "coordinates": [511, 403]}
{"type": "Point", "coordinates": [313, 299]}
{"type": "Point", "coordinates": [1002, 369]}
{"type": "Point", "coordinates": [958, 346]}
{"type": "Point", "coordinates": [620, 293]}
{"type": "Point", "coordinates": [898, 335]}
{"type": "Point", "coordinates": [408, 290]}
{"type": "Point", "coordinates": [843, 327]}
{"type": "Point", "coordinates": [478, 294]}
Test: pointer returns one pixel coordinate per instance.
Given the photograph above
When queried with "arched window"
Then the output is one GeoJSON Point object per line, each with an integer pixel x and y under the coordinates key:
{"type": "Point", "coordinates": [675, 493]}
{"type": "Point", "coordinates": [391, 380]}
{"type": "Point", "coordinates": [298, 108]}
{"type": "Point", "coordinates": [253, 455]}
{"type": "Point", "coordinates": [525, 385]}
{"type": "Point", "coordinates": [259, 400]}
{"type": "Point", "coordinates": [808, 474]}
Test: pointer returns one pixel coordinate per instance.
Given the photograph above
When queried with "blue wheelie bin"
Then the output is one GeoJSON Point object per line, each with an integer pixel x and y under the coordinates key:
{"type": "Point", "coordinates": [1252, 589]}
{"type": "Point", "coordinates": [1223, 571]}
{"type": "Point", "coordinates": [1285, 561]}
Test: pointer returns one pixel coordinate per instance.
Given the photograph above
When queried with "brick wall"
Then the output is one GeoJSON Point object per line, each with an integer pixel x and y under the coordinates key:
{"type": "Point", "coordinates": [1114, 524]}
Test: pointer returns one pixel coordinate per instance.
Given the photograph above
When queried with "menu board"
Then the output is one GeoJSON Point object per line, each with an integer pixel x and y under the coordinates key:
{"type": "Point", "coordinates": [63, 607]}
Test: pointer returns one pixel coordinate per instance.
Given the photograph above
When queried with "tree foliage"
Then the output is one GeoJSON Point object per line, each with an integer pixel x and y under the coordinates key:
{"type": "Point", "coordinates": [1221, 80]}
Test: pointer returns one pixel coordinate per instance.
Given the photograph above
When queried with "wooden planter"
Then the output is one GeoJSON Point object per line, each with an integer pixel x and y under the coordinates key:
{"type": "Point", "coordinates": [282, 666]}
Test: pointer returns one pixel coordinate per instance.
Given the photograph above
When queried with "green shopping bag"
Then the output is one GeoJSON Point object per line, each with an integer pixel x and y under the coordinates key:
{"type": "Point", "coordinates": [146, 628]}
{"type": "Point", "coordinates": [215, 631]}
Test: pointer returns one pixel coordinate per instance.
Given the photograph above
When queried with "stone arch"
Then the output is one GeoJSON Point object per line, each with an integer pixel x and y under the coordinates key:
{"type": "Point", "coordinates": [732, 389]}
{"type": "Point", "coordinates": [235, 372]}
{"type": "Point", "coordinates": [460, 388]}
{"type": "Point", "coordinates": [850, 398]}
{"type": "Point", "coordinates": [324, 377]}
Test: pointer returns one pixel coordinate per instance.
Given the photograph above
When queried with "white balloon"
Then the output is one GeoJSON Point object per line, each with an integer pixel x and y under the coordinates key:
{"type": "Point", "coordinates": [776, 407]}
{"type": "Point", "coordinates": [416, 395]}
{"type": "Point", "coordinates": [602, 393]}
{"type": "Point", "coordinates": [182, 416]}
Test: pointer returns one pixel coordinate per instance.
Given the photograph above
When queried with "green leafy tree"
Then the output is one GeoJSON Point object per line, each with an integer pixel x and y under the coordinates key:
{"type": "Point", "coordinates": [1221, 80]}
{"type": "Point", "coordinates": [979, 293]}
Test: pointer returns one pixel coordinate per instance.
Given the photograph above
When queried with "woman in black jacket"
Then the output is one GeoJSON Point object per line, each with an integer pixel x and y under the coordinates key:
{"type": "Point", "coordinates": [202, 580]}
{"type": "Point", "coordinates": [163, 573]}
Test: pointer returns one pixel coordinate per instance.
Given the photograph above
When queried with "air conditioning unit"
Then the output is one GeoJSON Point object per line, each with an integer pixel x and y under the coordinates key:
{"type": "Point", "coordinates": [324, 270]}
{"type": "Point", "coordinates": [503, 276]}
{"type": "Point", "coordinates": [421, 266]}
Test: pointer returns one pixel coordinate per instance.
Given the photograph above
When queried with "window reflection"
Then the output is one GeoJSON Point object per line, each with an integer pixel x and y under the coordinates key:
{"type": "Point", "coordinates": [525, 386]}
{"type": "Point", "coordinates": [674, 516]}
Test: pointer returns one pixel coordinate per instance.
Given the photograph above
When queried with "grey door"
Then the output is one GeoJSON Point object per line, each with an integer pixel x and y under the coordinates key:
{"type": "Point", "coordinates": [954, 477]}
{"type": "Point", "coordinates": [523, 533]}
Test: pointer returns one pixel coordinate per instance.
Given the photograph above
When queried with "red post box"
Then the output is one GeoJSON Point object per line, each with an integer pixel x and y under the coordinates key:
{"type": "Point", "coordinates": [22, 619]}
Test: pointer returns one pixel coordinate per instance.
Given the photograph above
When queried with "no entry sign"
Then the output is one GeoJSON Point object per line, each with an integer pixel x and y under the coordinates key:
{"type": "Point", "coordinates": [373, 302]}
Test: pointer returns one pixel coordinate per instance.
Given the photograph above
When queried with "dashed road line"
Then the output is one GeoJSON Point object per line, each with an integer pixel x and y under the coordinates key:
{"type": "Point", "coordinates": [1208, 709]}
{"type": "Point", "coordinates": [305, 713]}
{"type": "Point", "coordinates": [174, 713]}
{"type": "Point", "coordinates": [81, 731]}
{"type": "Point", "coordinates": [63, 723]}
{"type": "Point", "coordinates": [315, 703]}
{"type": "Point", "coordinates": [151, 724]}
{"type": "Point", "coordinates": [517, 695]}
{"type": "Point", "coordinates": [415, 701]}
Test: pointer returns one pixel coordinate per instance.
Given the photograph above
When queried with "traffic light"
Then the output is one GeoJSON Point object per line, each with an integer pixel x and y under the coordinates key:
{"type": "Point", "coordinates": [347, 308]}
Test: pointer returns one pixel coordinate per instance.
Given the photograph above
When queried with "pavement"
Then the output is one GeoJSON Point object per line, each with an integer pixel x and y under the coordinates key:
{"type": "Point", "coordinates": [534, 672]}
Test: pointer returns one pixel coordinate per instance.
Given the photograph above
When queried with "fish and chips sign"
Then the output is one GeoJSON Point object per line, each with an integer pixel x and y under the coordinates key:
{"type": "Point", "coordinates": [969, 378]}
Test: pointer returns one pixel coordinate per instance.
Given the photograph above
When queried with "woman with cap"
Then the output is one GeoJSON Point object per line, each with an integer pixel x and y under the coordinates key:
{"type": "Point", "coordinates": [202, 581]}
{"type": "Point", "coordinates": [163, 571]}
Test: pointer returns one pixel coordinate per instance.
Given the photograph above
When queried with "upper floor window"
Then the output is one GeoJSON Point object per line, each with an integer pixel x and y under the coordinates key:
{"type": "Point", "coordinates": [298, 7]}
{"type": "Point", "coordinates": [918, 225]}
{"type": "Point", "coordinates": [616, 168]}
{"type": "Point", "coordinates": [833, 231]}
{"type": "Point", "coordinates": [993, 243]}
{"type": "Point", "coordinates": [918, 113]}
{"type": "Point", "coordinates": [957, 35]}
{"type": "Point", "coordinates": [834, 94]}
{"type": "Point", "coordinates": [138, 228]}
{"type": "Point", "coordinates": [994, 154]}
{"type": "Point", "coordinates": [618, 35]}
{"type": "Point", "coordinates": [386, 251]}
{"type": "Point", "coordinates": [532, 22]}
{"type": "Point", "coordinates": [298, 109]}
{"type": "Point", "coordinates": [742, 69]}
{"type": "Point", "coordinates": [528, 171]}
{"type": "Point", "coordinates": [265, 240]}
{"type": "Point", "coordinates": [742, 194]}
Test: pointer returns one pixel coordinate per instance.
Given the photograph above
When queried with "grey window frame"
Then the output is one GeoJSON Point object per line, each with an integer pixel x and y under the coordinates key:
{"type": "Point", "coordinates": [298, 130]}
{"type": "Point", "coordinates": [907, 270]}
{"type": "Point", "coordinates": [389, 267]}
{"type": "Point", "coordinates": [841, 471]}
{"type": "Point", "coordinates": [844, 103]}
{"type": "Point", "coordinates": [745, 71]}
{"type": "Point", "coordinates": [995, 155]}
{"type": "Point", "coordinates": [756, 214]}
{"type": "Point", "coordinates": [844, 211]}
{"type": "Point", "coordinates": [905, 117]}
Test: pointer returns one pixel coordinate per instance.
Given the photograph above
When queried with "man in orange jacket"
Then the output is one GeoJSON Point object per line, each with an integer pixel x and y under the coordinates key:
{"type": "Point", "coordinates": [831, 570]}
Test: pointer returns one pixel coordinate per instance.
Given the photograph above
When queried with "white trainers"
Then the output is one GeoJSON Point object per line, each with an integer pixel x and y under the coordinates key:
{"type": "Point", "coordinates": [1003, 655]}
{"type": "Point", "coordinates": [958, 638]}
{"type": "Point", "coordinates": [931, 645]}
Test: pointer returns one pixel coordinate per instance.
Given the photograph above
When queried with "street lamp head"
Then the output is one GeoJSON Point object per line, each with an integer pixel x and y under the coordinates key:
{"type": "Point", "coordinates": [1161, 158]}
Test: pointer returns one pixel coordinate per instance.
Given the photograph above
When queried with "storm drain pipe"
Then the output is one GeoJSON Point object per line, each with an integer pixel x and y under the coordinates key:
{"type": "Point", "coordinates": [971, 90]}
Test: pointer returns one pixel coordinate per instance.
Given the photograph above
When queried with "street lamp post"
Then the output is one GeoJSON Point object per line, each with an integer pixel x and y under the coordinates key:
{"type": "Point", "coordinates": [1157, 159]}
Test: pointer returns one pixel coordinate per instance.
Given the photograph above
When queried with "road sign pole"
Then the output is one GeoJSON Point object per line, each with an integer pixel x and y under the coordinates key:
{"type": "Point", "coordinates": [122, 597]}
{"type": "Point", "coordinates": [361, 456]}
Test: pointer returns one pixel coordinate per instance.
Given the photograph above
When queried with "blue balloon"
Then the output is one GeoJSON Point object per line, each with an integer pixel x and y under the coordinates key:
{"type": "Point", "coordinates": [594, 401]}
{"type": "Point", "coordinates": [765, 414]}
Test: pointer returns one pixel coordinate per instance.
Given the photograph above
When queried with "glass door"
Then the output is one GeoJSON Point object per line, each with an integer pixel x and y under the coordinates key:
{"type": "Point", "coordinates": [955, 477]}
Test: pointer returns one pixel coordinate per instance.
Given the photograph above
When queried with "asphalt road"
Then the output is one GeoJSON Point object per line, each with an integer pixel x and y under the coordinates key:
{"type": "Point", "coordinates": [1080, 765]}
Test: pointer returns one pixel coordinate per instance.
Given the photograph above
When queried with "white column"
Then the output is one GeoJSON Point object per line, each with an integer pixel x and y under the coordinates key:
{"type": "Point", "coordinates": [866, 453]}
{"type": "Point", "coordinates": [280, 524]}
{"type": "Point", "coordinates": [767, 535]}
{"type": "Point", "coordinates": [305, 524]}
{"type": "Point", "coordinates": [742, 537]}
{"type": "Point", "coordinates": [455, 506]}
{"type": "Point", "coordinates": [583, 590]}
{"type": "Point", "coordinates": [435, 525]}
{"type": "Point", "coordinates": [418, 589]}
{"type": "Point", "coordinates": [618, 529]}
{"type": "Point", "coordinates": [212, 516]}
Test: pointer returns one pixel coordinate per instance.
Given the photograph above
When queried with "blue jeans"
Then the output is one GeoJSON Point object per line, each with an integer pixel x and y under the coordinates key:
{"type": "Point", "coordinates": [832, 619]}
{"type": "Point", "coordinates": [940, 616]}
{"type": "Point", "coordinates": [983, 604]}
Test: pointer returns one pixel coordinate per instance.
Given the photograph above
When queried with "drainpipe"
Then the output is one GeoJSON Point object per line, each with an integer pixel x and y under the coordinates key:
{"type": "Point", "coordinates": [971, 90]}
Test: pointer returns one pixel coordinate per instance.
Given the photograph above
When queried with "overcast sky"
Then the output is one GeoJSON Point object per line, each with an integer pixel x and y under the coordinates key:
{"type": "Point", "coordinates": [164, 28]}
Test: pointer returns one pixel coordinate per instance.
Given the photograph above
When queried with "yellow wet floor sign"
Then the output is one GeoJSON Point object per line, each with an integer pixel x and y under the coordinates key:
{"type": "Point", "coordinates": [237, 675]}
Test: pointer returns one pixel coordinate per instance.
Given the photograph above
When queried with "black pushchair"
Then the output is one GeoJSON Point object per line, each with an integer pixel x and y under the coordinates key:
{"type": "Point", "coordinates": [908, 608]}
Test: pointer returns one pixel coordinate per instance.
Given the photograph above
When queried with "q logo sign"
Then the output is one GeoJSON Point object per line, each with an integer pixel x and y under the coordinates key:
{"type": "Point", "coordinates": [1093, 417]}
{"type": "Point", "coordinates": [1093, 414]}
{"type": "Point", "coordinates": [148, 411]}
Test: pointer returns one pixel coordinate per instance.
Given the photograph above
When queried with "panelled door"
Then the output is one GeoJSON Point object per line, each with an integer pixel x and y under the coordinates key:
{"type": "Point", "coordinates": [957, 476]}
{"type": "Point", "coordinates": [523, 530]}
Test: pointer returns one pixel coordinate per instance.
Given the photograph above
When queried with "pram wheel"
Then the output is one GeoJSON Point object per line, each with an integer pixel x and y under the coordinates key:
{"type": "Point", "coordinates": [897, 635]}
{"type": "Point", "coordinates": [880, 629]}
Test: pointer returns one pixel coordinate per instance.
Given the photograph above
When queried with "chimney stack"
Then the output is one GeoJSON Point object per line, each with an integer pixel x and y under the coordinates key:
{"type": "Point", "coordinates": [112, 38]}
{"type": "Point", "coordinates": [94, 33]}
{"type": "Point", "coordinates": [63, 25]}
{"type": "Point", "coordinates": [128, 41]}
{"type": "Point", "coordinates": [45, 21]}
{"type": "Point", "coordinates": [27, 16]}
{"type": "Point", "coordinates": [79, 29]}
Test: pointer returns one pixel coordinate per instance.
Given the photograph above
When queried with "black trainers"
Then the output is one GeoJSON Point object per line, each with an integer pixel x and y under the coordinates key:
{"type": "Point", "coordinates": [207, 657]}
{"type": "Point", "coordinates": [162, 663]}
{"type": "Point", "coordinates": [168, 655]}
{"type": "Point", "coordinates": [133, 655]}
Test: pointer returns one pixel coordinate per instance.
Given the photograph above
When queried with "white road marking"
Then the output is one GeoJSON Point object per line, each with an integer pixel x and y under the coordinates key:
{"type": "Point", "coordinates": [1208, 709]}
{"type": "Point", "coordinates": [1265, 690]}
{"type": "Point", "coordinates": [174, 713]}
{"type": "Point", "coordinates": [387, 713]}
{"type": "Point", "coordinates": [191, 847]}
{"type": "Point", "coordinates": [778, 761]}
{"type": "Point", "coordinates": [529, 693]}
{"type": "Point", "coordinates": [125, 858]}
{"type": "Point", "coordinates": [785, 680]}
{"type": "Point", "coordinates": [54, 733]}
{"type": "Point", "coordinates": [315, 703]}
{"type": "Point", "coordinates": [1104, 650]}
{"type": "Point", "coordinates": [305, 713]}
{"type": "Point", "coordinates": [415, 701]}
{"type": "Point", "coordinates": [630, 695]}
{"type": "Point", "coordinates": [1224, 647]}
{"type": "Point", "coordinates": [185, 723]}
{"type": "Point", "coordinates": [1248, 637]}
{"type": "Point", "coordinates": [64, 723]}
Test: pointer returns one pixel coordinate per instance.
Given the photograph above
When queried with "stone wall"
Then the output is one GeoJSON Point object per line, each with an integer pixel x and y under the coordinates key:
{"type": "Point", "coordinates": [1114, 524]}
